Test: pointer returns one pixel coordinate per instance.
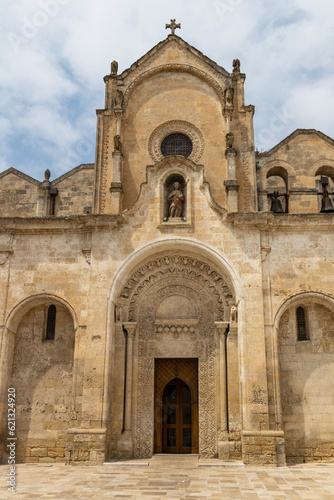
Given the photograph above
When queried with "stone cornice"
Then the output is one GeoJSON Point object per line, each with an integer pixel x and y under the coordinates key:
{"type": "Point", "coordinates": [63, 224]}
{"type": "Point", "coordinates": [295, 222]}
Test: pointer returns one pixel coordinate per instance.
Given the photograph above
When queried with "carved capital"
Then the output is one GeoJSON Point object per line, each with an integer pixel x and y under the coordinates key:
{"type": "Point", "coordinates": [221, 327]}
{"type": "Point", "coordinates": [130, 327]}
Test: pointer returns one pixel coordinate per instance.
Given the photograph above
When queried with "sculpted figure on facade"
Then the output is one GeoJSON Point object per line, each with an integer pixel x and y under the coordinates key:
{"type": "Point", "coordinates": [229, 140]}
{"type": "Point", "coordinates": [117, 143]}
{"type": "Point", "coordinates": [119, 100]}
{"type": "Point", "coordinates": [236, 66]}
{"type": "Point", "coordinates": [229, 92]}
{"type": "Point", "coordinates": [114, 67]}
{"type": "Point", "coordinates": [175, 198]}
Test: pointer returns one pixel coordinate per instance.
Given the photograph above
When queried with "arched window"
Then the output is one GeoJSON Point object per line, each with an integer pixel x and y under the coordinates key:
{"type": "Point", "coordinates": [51, 323]}
{"type": "Point", "coordinates": [176, 144]}
{"type": "Point", "coordinates": [302, 327]}
{"type": "Point", "coordinates": [277, 186]}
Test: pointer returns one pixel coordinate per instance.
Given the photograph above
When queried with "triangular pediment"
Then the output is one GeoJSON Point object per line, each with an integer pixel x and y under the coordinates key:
{"type": "Point", "coordinates": [183, 53]}
{"type": "Point", "coordinates": [21, 175]}
{"type": "Point", "coordinates": [295, 134]}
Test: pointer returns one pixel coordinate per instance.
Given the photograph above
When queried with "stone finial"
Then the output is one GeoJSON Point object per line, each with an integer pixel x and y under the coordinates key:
{"type": "Point", "coordinates": [114, 67]}
{"type": "Point", "coordinates": [47, 175]}
{"type": "Point", "coordinates": [172, 26]}
{"type": "Point", "coordinates": [236, 66]}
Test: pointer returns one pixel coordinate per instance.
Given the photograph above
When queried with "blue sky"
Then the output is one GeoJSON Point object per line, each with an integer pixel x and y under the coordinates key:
{"type": "Point", "coordinates": [55, 53]}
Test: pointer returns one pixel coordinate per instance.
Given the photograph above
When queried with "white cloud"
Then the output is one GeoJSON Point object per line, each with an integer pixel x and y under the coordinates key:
{"type": "Point", "coordinates": [51, 82]}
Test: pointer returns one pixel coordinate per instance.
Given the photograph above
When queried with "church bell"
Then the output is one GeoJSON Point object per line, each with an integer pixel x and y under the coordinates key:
{"type": "Point", "coordinates": [276, 204]}
{"type": "Point", "coordinates": [326, 204]}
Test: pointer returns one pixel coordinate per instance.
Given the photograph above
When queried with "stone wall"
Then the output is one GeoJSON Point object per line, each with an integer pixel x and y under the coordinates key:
{"type": "Point", "coordinates": [19, 194]}
{"type": "Point", "coordinates": [306, 373]}
{"type": "Point", "coordinates": [42, 376]}
{"type": "Point", "coordinates": [75, 191]}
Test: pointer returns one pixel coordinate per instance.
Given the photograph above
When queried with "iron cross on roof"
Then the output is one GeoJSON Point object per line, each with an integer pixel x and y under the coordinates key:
{"type": "Point", "coordinates": [173, 26]}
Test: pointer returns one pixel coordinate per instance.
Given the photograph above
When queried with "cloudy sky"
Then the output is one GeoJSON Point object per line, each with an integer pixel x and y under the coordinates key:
{"type": "Point", "coordinates": [54, 54]}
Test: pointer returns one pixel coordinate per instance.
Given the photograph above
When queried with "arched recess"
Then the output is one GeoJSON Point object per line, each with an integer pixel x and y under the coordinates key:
{"type": "Point", "coordinates": [275, 175]}
{"type": "Point", "coordinates": [41, 372]}
{"type": "Point", "coordinates": [278, 181]}
{"type": "Point", "coordinates": [306, 370]}
{"type": "Point", "coordinates": [324, 168]}
{"type": "Point", "coordinates": [172, 68]}
{"type": "Point", "coordinates": [169, 272]}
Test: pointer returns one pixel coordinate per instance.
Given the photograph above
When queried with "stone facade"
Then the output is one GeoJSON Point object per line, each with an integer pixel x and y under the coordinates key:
{"type": "Point", "coordinates": [232, 294]}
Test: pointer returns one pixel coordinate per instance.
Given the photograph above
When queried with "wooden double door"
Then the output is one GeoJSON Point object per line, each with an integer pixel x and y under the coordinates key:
{"type": "Point", "coordinates": [176, 412]}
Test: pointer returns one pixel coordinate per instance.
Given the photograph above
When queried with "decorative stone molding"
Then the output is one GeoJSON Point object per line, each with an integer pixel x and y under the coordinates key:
{"type": "Point", "coordinates": [177, 68]}
{"type": "Point", "coordinates": [172, 275]}
{"type": "Point", "coordinates": [176, 127]}
{"type": "Point", "coordinates": [176, 327]}
{"type": "Point", "coordinates": [174, 268]}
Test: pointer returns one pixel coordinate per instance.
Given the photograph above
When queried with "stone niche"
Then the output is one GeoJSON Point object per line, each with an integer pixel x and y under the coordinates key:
{"type": "Point", "coordinates": [175, 301]}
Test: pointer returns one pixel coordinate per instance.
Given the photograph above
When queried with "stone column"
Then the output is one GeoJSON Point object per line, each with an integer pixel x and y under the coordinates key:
{"type": "Point", "coordinates": [125, 445]}
{"type": "Point", "coordinates": [263, 200]}
{"type": "Point", "coordinates": [231, 184]}
{"type": "Point", "coordinates": [78, 373]}
{"type": "Point", "coordinates": [223, 448]}
{"type": "Point", "coordinates": [7, 340]}
{"type": "Point", "coordinates": [130, 332]}
{"type": "Point", "coordinates": [116, 184]}
{"type": "Point", "coordinates": [233, 378]}
{"type": "Point", "coordinates": [43, 196]}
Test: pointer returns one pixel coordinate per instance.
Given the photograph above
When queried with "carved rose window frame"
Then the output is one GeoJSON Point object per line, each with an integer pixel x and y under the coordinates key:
{"type": "Point", "coordinates": [176, 127]}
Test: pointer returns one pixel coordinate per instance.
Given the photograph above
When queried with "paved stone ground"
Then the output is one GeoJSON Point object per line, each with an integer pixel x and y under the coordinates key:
{"type": "Point", "coordinates": [169, 478]}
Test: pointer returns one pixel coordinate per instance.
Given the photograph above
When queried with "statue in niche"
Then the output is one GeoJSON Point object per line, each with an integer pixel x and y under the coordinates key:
{"type": "Point", "coordinates": [117, 143]}
{"type": "Point", "coordinates": [114, 67]}
{"type": "Point", "coordinates": [119, 99]}
{"type": "Point", "coordinates": [236, 66]}
{"type": "Point", "coordinates": [229, 140]}
{"type": "Point", "coordinates": [175, 198]}
{"type": "Point", "coordinates": [229, 96]}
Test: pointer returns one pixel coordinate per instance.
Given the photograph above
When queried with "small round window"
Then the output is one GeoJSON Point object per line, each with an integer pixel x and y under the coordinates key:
{"type": "Point", "coordinates": [176, 144]}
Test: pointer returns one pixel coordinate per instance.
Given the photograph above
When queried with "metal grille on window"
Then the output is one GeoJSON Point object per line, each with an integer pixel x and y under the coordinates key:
{"type": "Point", "coordinates": [301, 324]}
{"type": "Point", "coordinates": [176, 144]}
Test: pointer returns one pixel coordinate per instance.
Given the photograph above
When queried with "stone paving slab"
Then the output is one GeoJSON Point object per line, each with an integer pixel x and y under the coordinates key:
{"type": "Point", "coordinates": [162, 479]}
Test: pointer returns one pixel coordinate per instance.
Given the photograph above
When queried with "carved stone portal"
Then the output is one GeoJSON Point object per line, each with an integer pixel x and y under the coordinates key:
{"type": "Point", "coordinates": [175, 300]}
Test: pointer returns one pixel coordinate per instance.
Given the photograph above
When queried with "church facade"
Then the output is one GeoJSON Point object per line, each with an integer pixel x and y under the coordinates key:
{"type": "Point", "coordinates": [177, 295]}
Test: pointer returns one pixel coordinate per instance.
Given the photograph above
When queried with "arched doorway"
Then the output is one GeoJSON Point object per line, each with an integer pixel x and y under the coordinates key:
{"type": "Point", "coordinates": [177, 418]}
{"type": "Point", "coordinates": [176, 406]}
{"type": "Point", "coordinates": [173, 307]}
